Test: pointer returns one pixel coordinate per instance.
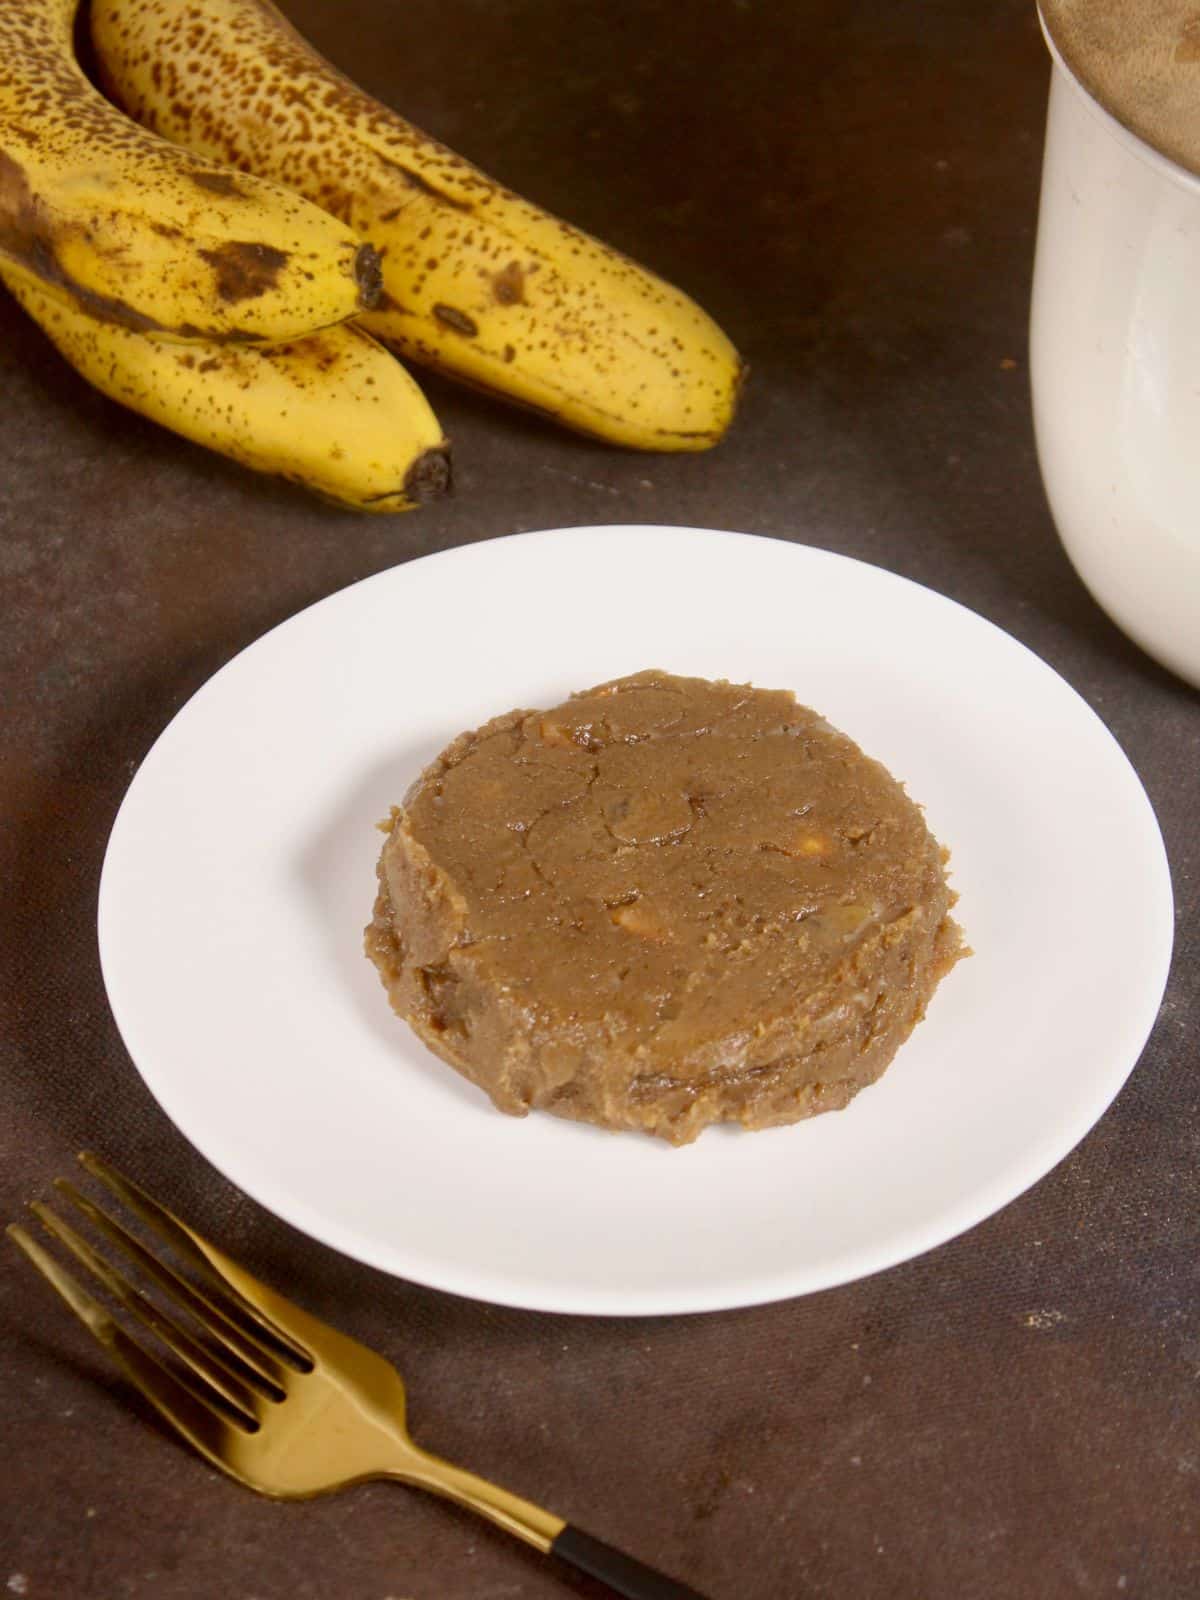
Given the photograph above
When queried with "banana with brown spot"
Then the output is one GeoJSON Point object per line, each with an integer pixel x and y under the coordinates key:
{"type": "Point", "coordinates": [476, 280]}
{"type": "Point", "coordinates": [333, 411]}
{"type": "Point", "coordinates": [141, 233]}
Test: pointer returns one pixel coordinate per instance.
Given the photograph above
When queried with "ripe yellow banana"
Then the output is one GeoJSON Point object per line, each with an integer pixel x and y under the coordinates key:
{"type": "Point", "coordinates": [476, 280]}
{"type": "Point", "coordinates": [332, 411]}
{"type": "Point", "coordinates": [142, 233]}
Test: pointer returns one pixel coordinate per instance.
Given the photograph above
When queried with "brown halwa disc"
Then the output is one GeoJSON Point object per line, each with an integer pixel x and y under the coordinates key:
{"type": "Point", "coordinates": [662, 904]}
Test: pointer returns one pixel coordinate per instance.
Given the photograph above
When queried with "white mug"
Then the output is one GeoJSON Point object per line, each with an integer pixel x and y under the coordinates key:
{"type": "Point", "coordinates": [1115, 368]}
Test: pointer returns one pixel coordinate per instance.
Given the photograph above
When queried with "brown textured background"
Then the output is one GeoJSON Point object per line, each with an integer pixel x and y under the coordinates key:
{"type": "Point", "coordinates": [851, 187]}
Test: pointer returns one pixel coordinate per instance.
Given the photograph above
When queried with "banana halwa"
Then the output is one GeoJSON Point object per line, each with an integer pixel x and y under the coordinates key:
{"type": "Point", "coordinates": [662, 904]}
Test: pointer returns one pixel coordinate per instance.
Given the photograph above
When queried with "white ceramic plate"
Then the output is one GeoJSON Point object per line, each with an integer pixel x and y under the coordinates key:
{"type": "Point", "coordinates": [240, 874]}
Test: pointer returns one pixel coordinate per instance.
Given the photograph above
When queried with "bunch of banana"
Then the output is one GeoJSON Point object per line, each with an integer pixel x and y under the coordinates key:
{"type": "Point", "coordinates": [476, 281]}
{"type": "Point", "coordinates": [212, 302]}
{"type": "Point", "coordinates": [213, 291]}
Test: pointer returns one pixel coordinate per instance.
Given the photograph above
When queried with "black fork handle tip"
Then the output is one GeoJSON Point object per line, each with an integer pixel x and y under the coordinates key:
{"type": "Point", "coordinates": [620, 1572]}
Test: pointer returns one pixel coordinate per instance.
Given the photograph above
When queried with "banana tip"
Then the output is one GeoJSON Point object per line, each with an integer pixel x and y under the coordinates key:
{"type": "Point", "coordinates": [429, 477]}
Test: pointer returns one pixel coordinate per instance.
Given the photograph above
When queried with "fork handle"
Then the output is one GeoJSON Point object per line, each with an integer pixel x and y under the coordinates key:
{"type": "Point", "coordinates": [536, 1526]}
{"type": "Point", "coordinates": [620, 1572]}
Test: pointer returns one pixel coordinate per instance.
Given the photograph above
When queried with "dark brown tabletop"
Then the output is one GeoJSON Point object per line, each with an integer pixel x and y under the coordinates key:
{"type": "Point", "coordinates": [851, 188]}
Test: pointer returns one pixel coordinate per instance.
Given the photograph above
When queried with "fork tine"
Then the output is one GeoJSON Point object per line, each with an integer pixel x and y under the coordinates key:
{"type": "Point", "coordinates": [226, 1300]}
{"type": "Point", "coordinates": [222, 1368]}
{"type": "Point", "coordinates": [203, 1307]}
{"type": "Point", "coordinates": [90, 1312]}
{"type": "Point", "coordinates": [201, 1425]}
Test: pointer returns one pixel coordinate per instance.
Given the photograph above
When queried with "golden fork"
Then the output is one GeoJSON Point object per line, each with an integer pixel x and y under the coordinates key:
{"type": "Point", "coordinates": [277, 1399]}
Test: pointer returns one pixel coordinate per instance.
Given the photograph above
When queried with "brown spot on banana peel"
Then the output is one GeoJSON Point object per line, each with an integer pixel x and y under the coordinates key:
{"type": "Point", "coordinates": [216, 182]}
{"type": "Point", "coordinates": [244, 269]}
{"type": "Point", "coordinates": [508, 286]}
{"type": "Point", "coordinates": [189, 330]}
{"type": "Point", "coordinates": [451, 317]}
